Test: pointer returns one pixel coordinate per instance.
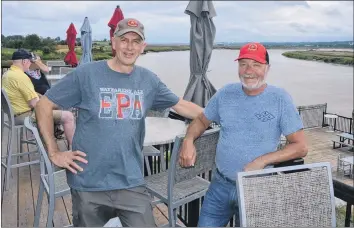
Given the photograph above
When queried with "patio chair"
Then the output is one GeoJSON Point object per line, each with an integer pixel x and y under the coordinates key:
{"type": "Point", "coordinates": [56, 63]}
{"type": "Point", "coordinates": [65, 70]}
{"type": "Point", "coordinates": [179, 186]}
{"type": "Point", "coordinates": [6, 110]}
{"type": "Point", "coordinates": [158, 113]}
{"type": "Point", "coordinates": [345, 165]}
{"type": "Point", "coordinates": [301, 198]}
{"type": "Point", "coordinates": [52, 179]}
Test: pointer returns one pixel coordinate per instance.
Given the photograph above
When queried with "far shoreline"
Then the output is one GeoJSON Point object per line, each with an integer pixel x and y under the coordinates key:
{"type": "Point", "coordinates": [301, 53]}
{"type": "Point", "coordinates": [332, 56]}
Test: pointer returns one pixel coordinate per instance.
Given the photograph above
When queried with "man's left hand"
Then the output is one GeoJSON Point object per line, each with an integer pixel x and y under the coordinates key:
{"type": "Point", "coordinates": [256, 164]}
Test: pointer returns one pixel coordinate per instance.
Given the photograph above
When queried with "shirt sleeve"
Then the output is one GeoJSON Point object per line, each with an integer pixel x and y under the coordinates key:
{"type": "Point", "coordinates": [290, 121]}
{"type": "Point", "coordinates": [164, 97]}
{"type": "Point", "coordinates": [26, 88]}
{"type": "Point", "coordinates": [66, 93]}
{"type": "Point", "coordinates": [211, 110]}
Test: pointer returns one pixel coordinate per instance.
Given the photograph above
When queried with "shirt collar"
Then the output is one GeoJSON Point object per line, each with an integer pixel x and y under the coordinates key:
{"type": "Point", "coordinates": [15, 68]}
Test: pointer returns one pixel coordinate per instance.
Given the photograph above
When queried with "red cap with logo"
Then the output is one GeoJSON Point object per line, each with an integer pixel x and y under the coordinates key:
{"type": "Point", "coordinates": [255, 51]}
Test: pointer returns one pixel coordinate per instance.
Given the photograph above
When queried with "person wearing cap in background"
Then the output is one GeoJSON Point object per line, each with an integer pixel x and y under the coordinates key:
{"type": "Point", "coordinates": [105, 168]}
{"type": "Point", "coordinates": [252, 116]}
{"type": "Point", "coordinates": [23, 97]}
{"type": "Point", "coordinates": [36, 73]}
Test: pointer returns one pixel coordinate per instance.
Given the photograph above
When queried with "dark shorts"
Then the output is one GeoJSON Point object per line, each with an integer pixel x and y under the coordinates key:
{"type": "Point", "coordinates": [95, 209]}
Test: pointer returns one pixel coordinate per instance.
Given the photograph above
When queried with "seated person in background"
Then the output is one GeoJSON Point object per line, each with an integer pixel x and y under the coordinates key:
{"type": "Point", "coordinates": [23, 97]}
{"type": "Point", "coordinates": [36, 73]}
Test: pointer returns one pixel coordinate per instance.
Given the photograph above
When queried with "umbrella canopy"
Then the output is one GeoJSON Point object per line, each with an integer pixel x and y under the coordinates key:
{"type": "Point", "coordinates": [202, 34]}
{"type": "Point", "coordinates": [86, 42]}
{"type": "Point", "coordinates": [116, 17]}
{"type": "Point", "coordinates": [70, 58]}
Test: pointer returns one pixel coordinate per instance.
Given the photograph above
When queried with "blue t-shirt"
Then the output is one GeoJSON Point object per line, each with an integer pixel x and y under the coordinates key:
{"type": "Point", "coordinates": [251, 126]}
{"type": "Point", "coordinates": [110, 127]}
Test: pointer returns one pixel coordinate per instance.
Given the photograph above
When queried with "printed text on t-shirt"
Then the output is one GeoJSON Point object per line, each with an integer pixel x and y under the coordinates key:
{"type": "Point", "coordinates": [121, 103]}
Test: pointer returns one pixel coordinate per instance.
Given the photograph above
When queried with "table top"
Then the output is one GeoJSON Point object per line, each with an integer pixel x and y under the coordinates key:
{"type": "Point", "coordinates": [160, 131]}
{"type": "Point", "coordinates": [346, 135]}
{"type": "Point", "coordinates": [330, 116]}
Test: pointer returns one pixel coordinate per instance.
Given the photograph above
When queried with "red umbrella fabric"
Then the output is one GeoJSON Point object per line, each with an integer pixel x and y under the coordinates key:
{"type": "Point", "coordinates": [70, 58]}
{"type": "Point", "coordinates": [117, 16]}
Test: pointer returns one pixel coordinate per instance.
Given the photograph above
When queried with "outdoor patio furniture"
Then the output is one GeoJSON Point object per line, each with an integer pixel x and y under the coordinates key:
{"type": "Point", "coordinates": [345, 165]}
{"type": "Point", "coordinates": [151, 151]}
{"type": "Point", "coordinates": [52, 179]}
{"type": "Point", "coordinates": [331, 119]}
{"type": "Point", "coordinates": [56, 63]}
{"type": "Point", "coordinates": [345, 140]}
{"type": "Point", "coordinates": [303, 197]}
{"type": "Point", "coordinates": [158, 113]}
{"type": "Point", "coordinates": [65, 70]}
{"type": "Point", "coordinates": [178, 186]}
{"type": "Point", "coordinates": [54, 66]}
{"type": "Point", "coordinates": [6, 110]}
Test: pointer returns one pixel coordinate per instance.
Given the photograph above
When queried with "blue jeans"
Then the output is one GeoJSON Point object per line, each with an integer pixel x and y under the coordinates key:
{"type": "Point", "coordinates": [220, 203]}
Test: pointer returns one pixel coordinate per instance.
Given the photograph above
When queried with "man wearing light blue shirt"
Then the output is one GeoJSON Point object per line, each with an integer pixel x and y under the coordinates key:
{"type": "Point", "coordinates": [253, 115]}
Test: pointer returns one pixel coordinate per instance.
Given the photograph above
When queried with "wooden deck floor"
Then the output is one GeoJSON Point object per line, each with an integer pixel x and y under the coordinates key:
{"type": "Point", "coordinates": [18, 203]}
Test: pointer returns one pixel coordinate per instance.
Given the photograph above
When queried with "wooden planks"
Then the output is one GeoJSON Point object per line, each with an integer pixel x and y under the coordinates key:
{"type": "Point", "coordinates": [18, 204]}
{"type": "Point", "coordinates": [9, 205]}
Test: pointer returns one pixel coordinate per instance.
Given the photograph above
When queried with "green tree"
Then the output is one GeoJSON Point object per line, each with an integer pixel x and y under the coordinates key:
{"type": "Point", "coordinates": [15, 37]}
{"type": "Point", "coordinates": [32, 42]}
{"type": "Point", "coordinates": [3, 41]}
{"type": "Point", "coordinates": [14, 44]}
{"type": "Point", "coordinates": [49, 43]}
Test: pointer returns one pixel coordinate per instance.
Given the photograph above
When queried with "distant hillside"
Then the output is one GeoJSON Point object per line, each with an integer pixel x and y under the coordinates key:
{"type": "Point", "coordinates": [287, 45]}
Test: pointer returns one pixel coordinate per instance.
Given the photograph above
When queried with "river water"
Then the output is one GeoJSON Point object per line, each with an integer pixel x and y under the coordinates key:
{"type": "Point", "coordinates": [308, 82]}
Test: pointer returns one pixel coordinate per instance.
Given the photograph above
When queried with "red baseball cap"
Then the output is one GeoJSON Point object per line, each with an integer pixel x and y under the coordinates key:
{"type": "Point", "coordinates": [255, 51]}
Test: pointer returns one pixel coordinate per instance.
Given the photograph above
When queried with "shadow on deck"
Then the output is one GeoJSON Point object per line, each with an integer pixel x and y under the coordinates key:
{"type": "Point", "coordinates": [19, 201]}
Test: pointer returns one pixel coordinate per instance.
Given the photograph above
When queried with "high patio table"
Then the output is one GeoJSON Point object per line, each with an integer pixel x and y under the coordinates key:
{"type": "Point", "coordinates": [159, 131]}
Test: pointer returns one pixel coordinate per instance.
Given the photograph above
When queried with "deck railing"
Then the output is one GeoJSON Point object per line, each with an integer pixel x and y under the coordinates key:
{"type": "Point", "coordinates": [341, 123]}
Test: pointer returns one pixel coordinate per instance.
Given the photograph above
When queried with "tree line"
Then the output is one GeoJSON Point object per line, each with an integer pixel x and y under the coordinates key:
{"type": "Point", "coordinates": [33, 42]}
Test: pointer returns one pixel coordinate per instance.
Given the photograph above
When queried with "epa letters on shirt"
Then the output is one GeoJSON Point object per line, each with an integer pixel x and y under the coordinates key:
{"type": "Point", "coordinates": [121, 103]}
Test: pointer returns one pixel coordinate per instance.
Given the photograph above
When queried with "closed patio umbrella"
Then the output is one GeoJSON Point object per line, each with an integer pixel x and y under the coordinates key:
{"type": "Point", "coordinates": [116, 17]}
{"type": "Point", "coordinates": [70, 58]}
{"type": "Point", "coordinates": [86, 42]}
{"type": "Point", "coordinates": [202, 34]}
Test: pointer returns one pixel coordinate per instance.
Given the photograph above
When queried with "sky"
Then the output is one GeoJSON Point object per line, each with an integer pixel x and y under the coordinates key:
{"type": "Point", "coordinates": [166, 22]}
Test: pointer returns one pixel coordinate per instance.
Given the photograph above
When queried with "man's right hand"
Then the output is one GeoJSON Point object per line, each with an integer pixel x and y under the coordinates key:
{"type": "Point", "coordinates": [66, 160]}
{"type": "Point", "coordinates": [187, 154]}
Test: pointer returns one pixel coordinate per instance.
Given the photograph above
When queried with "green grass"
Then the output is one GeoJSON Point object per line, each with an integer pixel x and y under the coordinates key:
{"type": "Point", "coordinates": [337, 57]}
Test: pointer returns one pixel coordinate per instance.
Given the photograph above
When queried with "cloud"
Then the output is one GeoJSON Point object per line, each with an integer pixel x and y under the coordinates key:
{"type": "Point", "coordinates": [166, 22]}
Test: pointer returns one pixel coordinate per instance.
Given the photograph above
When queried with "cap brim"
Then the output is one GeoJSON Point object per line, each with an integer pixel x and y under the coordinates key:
{"type": "Point", "coordinates": [254, 57]}
{"type": "Point", "coordinates": [124, 31]}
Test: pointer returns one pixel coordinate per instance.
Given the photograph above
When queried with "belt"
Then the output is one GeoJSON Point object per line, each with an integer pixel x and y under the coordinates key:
{"type": "Point", "coordinates": [224, 177]}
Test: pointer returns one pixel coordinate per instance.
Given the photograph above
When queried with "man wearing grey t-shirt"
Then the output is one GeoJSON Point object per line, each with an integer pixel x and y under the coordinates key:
{"type": "Point", "coordinates": [105, 166]}
{"type": "Point", "coordinates": [252, 116]}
